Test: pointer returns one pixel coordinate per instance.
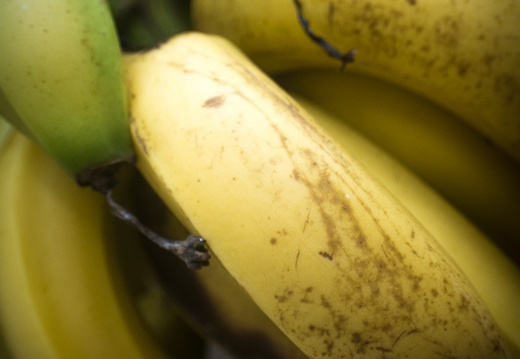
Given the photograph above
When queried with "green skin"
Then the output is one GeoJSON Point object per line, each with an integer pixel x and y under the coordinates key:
{"type": "Point", "coordinates": [61, 78]}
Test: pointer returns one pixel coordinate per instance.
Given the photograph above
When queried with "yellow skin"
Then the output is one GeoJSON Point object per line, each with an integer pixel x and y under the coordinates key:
{"type": "Point", "coordinates": [325, 251]}
{"type": "Point", "coordinates": [474, 175]}
{"type": "Point", "coordinates": [463, 55]}
{"type": "Point", "coordinates": [492, 273]}
{"type": "Point", "coordinates": [60, 294]}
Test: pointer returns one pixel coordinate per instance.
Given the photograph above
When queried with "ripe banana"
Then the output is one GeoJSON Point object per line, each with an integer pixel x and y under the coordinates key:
{"type": "Point", "coordinates": [463, 55]}
{"type": "Point", "coordinates": [61, 73]}
{"type": "Point", "coordinates": [326, 252]}
{"type": "Point", "coordinates": [61, 294]}
{"type": "Point", "coordinates": [212, 300]}
{"type": "Point", "coordinates": [491, 272]}
{"type": "Point", "coordinates": [472, 174]}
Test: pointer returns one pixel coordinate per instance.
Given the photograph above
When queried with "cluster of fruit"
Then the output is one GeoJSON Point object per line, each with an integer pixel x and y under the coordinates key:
{"type": "Point", "coordinates": [371, 212]}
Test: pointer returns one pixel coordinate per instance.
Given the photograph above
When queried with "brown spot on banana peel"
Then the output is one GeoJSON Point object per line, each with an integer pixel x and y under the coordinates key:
{"type": "Point", "coordinates": [214, 102]}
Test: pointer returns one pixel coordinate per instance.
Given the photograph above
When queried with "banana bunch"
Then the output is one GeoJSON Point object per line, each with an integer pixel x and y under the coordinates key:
{"type": "Point", "coordinates": [325, 242]}
{"type": "Point", "coordinates": [335, 261]}
{"type": "Point", "coordinates": [462, 55]}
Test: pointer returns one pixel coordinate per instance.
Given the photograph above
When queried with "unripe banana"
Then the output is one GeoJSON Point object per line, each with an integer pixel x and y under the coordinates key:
{"type": "Point", "coordinates": [491, 272]}
{"type": "Point", "coordinates": [478, 178]}
{"type": "Point", "coordinates": [325, 251]}
{"type": "Point", "coordinates": [61, 293]}
{"type": "Point", "coordinates": [463, 55]}
{"type": "Point", "coordinates": [61, 72]}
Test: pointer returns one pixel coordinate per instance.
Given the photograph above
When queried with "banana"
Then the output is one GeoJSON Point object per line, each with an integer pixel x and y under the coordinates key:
{"type": "Point", "coordinates": [472, 174]}
{"type": "Point", "coordinates": [211, 299]}
{"type": "Point", "coordinates": [493, 274]}
{"type": "Point", "coordinates": [463, 55]}
{"type": "Point", "coordinates": [336, 262]}
{"type": "Point", "coordinates": [61, 74]}
{"type": "Point", "coordinates": [61, 292]}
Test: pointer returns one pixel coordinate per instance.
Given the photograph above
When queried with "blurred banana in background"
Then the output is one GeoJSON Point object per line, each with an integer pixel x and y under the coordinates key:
{"type": "Point", "coordinates": [62, 293]}
{"type": "Point", "coordinates": [463, 55]}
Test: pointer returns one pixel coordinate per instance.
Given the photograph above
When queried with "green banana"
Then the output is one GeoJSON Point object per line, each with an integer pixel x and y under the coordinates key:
{"type": "Point", "coordinates": [336, 262]}
{"type": "Point", "coordinates": [457, 161]}
{"type": "Point", "coordinates": [462, 55]}
{"type": "Point", "coordinates": [61, 74]}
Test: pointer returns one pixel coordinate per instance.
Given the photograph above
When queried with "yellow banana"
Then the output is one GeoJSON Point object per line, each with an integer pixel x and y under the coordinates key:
{"type": "Point", "coordinates": [212, 299]}
{"type": "Point", "coordinates": [463, 55]}
{"type": "Point", "coordinates": [326, 252]}
{"type": "Point", "coordinates": [61, 294]}
{"type": "Point", "coordinates": [472, 174]}
{"type": "Point", "coordinates": [492, 273]}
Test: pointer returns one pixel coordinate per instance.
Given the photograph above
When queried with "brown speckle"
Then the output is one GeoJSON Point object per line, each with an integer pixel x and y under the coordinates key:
{"type": "Point", "coordinates": [284, 297]}
{"type": "Point", "coordinates": [214, 102]}
{"type": "Point", "coordinates": [326, 255]}
{"type": "Point", "coordinates": [273, 241]}
{"type": "Point", "coordinates": [306, 296]}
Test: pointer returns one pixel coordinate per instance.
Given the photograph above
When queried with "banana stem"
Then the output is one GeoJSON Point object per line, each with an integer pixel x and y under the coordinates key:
{"type": "Point", "coordinates": [344, 57]}
{"type": "Point", "coordinates": [192, 250]}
